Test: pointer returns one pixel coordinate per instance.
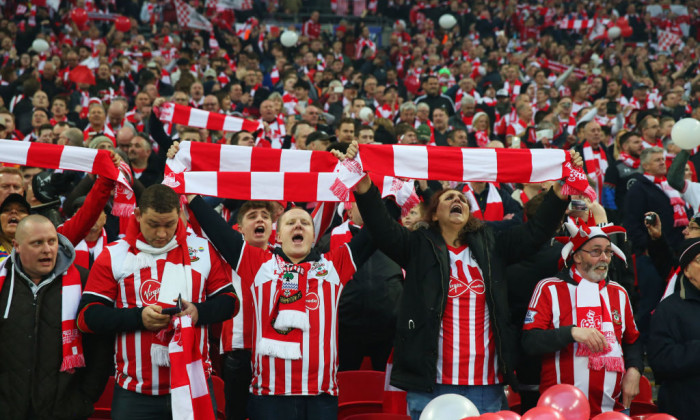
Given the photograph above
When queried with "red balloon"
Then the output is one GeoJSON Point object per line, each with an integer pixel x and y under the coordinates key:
{"type": "Point", "coordinates": [542, 413]}
{"type": "Point", "coordinates": [509, 415]}
{"type": "Point", "coordinates": [661, 416]}
{"type": "Point", "coordinates": [626, 31]}
{"type": "Point", "coordinates": [122, 24]}
{"type": "Point", "coordinates": [570, 401]}
{"type": "Point", "coordinates": [79, 16]}
{"type": "Point", "coordinates": [490, 416]}
{"type": "Point", "coordinates": [611, 415]}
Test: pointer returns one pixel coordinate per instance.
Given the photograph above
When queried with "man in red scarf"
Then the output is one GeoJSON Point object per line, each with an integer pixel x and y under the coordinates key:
{"type": "Point", "coordinates": [583, 326]}
{"type": "Point", "coordinates": [130, 286]}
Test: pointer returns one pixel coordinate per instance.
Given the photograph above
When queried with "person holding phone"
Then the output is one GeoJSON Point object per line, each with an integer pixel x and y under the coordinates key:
{"type": "Point", "coordinates": [132, 289]}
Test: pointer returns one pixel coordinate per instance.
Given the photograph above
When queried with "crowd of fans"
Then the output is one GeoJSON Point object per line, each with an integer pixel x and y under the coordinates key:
{"type": "Point", "coordinates": [536, 74]}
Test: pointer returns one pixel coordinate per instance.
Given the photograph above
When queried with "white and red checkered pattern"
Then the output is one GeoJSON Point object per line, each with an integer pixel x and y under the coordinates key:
{"type": "Point", "coordinates": [187, 17]}
{"type": "Point", "coordinates": [576, 24]}
{"type": "Point", "coordinates": [668, 39]}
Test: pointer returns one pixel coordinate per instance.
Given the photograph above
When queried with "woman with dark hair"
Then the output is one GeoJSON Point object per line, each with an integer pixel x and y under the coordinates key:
{"type": "Point", "coordinates": [453, 333]}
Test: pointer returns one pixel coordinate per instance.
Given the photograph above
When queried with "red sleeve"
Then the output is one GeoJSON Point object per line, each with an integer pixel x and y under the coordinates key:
{"type": "Point", "coordinates": [510, 131]}
{"type": "Point", "coordinates": [101, 280]}
{"type": "Point", "coordinates": [342, 262]}
{"type": "Point", "coordinates": [630, 334]}
{"type": "Point", "coordinates": [539, 312]}
{"type": "Point", "coordinates": [219, 275]}
{"type": "Point", "coordinates": [78, 226]}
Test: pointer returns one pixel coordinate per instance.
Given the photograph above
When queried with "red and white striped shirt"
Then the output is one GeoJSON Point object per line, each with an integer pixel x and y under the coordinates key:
{"type": "Point", "coordinates": [107, 280]}
{"type": "Point", "coordinates": [315, 372]}
{"type": "Point", "coordinates": [466, 348]}
{"type": "Point", "coordinates": [553, 305]}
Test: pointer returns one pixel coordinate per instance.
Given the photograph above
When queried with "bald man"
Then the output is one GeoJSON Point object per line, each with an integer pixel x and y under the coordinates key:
{"type": "Point", "coordinates": [52, 371]}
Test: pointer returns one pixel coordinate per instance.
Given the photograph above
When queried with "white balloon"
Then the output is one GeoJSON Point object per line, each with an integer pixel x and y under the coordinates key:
{"type": "Point", "coordinates": [686, 133]}
{"type": "Point", "coordinates": [447, 21]}
{"type": "Point", "coordinates": [40, 45]}
{"type": "Point", "coordinates": [614, 32]}
{"type": "Point", "coordinates": [449, 407]}
{"type": "Point", "coordinates": [366, 114]}
{"type": "Point", "coordinates": [289, 38]}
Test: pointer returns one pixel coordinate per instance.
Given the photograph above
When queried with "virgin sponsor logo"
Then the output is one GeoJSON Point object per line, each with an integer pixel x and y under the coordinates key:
{"type": "Point", "coordinates": [312, 301]}
{"type": "Point", "coordinates": [149, 291]}
{"type": "Point", "coordinates": [459, 287]}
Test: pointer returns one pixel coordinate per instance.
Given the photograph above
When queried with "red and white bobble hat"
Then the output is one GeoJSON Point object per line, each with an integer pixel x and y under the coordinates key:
{"type": "Point", "coordinates": [579, 235]}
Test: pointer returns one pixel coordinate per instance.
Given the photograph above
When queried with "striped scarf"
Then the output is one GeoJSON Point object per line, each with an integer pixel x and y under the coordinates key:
{"type": "Point", "coordinates": [494, 204]}
{"type": "Point", "coordinates": [71, 290]}
{"type": "Point", "coordinates": [680, 218]}
{"type": "Point", "coordinates": [596, 165]}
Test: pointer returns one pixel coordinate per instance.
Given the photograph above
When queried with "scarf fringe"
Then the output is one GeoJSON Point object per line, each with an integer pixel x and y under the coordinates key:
{"type": "Point", "coordinates": [340, 190]}
{"type": "Point", "coordinates": [159, 355]}
{"type": "Point", "coordinates": [410, 203]}
{"type": "Point", "coordinates": [71, 362]}
{"type": "Point", "coordinates": [292, 319]}
{"type": "Point", "coordinates": [122, 209]}
{"type": "Point", "coordinates": [279, 349]}
{"type": "Point", "coordinates": [609, 364]}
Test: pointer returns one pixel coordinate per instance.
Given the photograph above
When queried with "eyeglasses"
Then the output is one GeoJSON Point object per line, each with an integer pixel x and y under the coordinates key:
{"type": "Point", "coordinates": [595, 253]}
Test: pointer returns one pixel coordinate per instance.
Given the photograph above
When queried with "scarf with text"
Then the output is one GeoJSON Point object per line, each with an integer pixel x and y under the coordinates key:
{"type": "Point", "coordinates": [71, 290]}
{"type": "Point", "coordinates": [596, 165]}
{"type": "Point", "coordinates": [680, 218]}
{"type": "Point", "coordinates": [70, 158]}
{"type": "Point", "coordinates": [175, 280]}
{"type": "Point", "coordinates": [282, 333]}
{"type": "Point", "coordinates": [188, 382]}
{"type": "Point", "coordinates": [592, 312]}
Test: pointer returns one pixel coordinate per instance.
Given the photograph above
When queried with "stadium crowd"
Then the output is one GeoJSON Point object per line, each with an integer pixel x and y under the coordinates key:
{"type": "Point", "coordinates": [463, 290]}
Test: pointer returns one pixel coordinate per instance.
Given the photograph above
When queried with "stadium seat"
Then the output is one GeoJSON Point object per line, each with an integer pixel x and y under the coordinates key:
{"type": "Point", "coordinates": [513, 400]}
{"type": "Point", "coordinates": [103, 406]}
{"type": "Point", "coordinates": [359, 392]}
{"type": "Point", "coordinates": [378, 416]}
{"type": "Point", "coordinates": [643, 403]}
{"type": "Point", "coordinates": [220, 397]}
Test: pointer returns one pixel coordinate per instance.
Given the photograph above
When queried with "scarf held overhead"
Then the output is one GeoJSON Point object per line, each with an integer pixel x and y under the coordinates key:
{"type": "Point", "coordinates": [70, 158]}
{"type": "Point", "coordinates": [192, 117]}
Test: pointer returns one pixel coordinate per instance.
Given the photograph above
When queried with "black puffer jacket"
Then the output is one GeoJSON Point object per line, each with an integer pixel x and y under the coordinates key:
{"type": "Point", "coordinates": [31, 386]}
{"type": "Point", "coordinates": [423, 254]}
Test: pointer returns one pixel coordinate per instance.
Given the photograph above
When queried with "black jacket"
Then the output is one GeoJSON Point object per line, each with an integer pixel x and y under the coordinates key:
{"type": "Point", "coordinates": [674, 351]}
{"type": "Point", "coordinates": [31, 385]}
{"type": "Point", "coordinates": [644, 196]}
{"type": "Point", "coordinates": [423, 254]}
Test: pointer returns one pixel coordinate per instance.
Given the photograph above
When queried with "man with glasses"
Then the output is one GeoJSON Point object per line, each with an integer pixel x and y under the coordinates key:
{"type": "Point", "coordinates": [583, 326]}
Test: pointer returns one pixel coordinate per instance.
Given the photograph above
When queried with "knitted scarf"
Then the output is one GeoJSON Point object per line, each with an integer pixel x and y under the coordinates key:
{"type": "Point", "coordinates": [188, 382]}
{"type": "Point", "coordinates": [592, 312]}
{"type": "Point", "coordinates": [283, 328]}
{"type": "Point", "coordinates": [494, 204]}
{"type": "Point", "coordinates": [482, 138]}
{"type": "Point", "coordinates": [71, 290]}
{"type": "Point", "coordinates": [70, 158]}
{"type": "Point", "coordinates": [175, 280]}
{"type": "Point", "coordinates": [596, 165]}
{"type": "Point", "coordinates": [192, 117]}
{"type": "Point", "coordinates": [82, 250]}
{"type": "Point", "coordinates": [628, 160]}
{"type": "Point", "coordinates": [272, 174]}
{"type": "Point", "coordinates": [680, 218]}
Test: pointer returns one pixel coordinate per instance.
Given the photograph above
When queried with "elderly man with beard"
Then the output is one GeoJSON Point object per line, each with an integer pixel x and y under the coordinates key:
{"type": "Point", "coordinates": [583, 326]}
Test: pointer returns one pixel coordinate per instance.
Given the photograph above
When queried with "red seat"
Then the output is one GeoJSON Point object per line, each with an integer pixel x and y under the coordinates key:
{"type": "Point", "coordinates": [103, 406]}
{"type": "Point", "coordinates": [219, 396]}
{"type": "Point", "coordinates": [514, 403]}
{"type": "Point", "coordinates": [379, 416]}
{"type": "Point", "coordinates": [360, 391]}
{"type": "Point", "coordinates": [643, 403]}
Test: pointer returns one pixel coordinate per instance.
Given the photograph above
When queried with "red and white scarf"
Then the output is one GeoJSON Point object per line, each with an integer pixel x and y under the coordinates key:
{"type": "Point", "coordinates": [283, 328]}
{"type": "Point", "coordinates": [341, 234]}
{"type": "Point", "coordinates": [494, 204]}
{"type": "Point", "coordinates": [482, 138]}
{"type": "Point", "coordinates": [680, 218]}
{"type": "Point", "coordinates": [70, 158]}
{"type": "Point", "coordinates": [192, 117]}
{"type": "Point", "coordinates": [628, 160]}
{"type": "Point", "coordinates": [176, 279]}
{"type": "Point", "coordinates": [592, 312]}
{"type": "Point", "coordinates": [188, 382]}
{"type": "Point", "coordinates": [71, 291]}
{"type": "Point", "coordinates": [83, 250]}
{"type": "Point", "coordinates": [596, 165]}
